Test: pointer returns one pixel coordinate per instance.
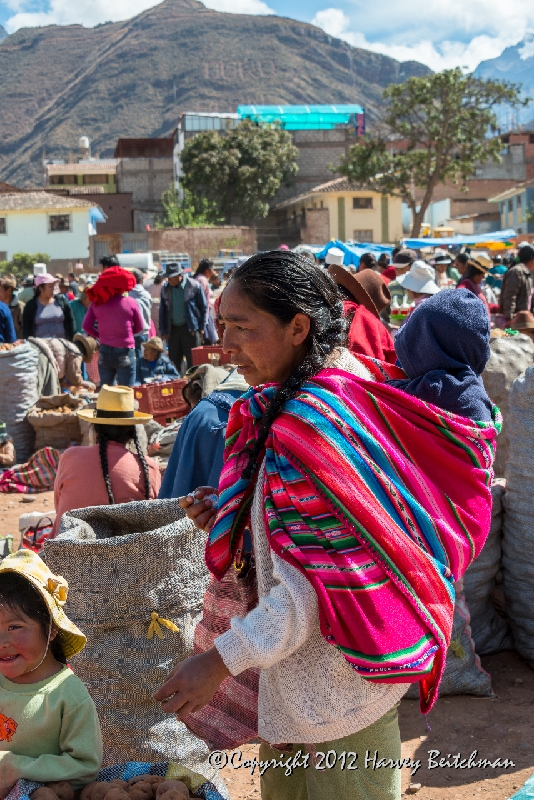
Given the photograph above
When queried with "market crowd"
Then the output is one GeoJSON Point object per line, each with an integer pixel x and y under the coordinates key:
{"type": "Point", "coordinates": [340, 467]}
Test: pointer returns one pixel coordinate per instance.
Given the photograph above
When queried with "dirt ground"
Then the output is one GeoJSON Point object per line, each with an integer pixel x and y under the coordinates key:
{"type": "Point", "coordinates": [501, 728]}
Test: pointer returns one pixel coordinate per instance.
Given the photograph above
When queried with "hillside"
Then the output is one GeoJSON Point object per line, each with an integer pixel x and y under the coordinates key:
{"type": "Point", "coordinates": [3, 33]}
{"type": "Point", "coordinates": [133, 78]}
{"type": "Point", "coordinates": [513, 66]}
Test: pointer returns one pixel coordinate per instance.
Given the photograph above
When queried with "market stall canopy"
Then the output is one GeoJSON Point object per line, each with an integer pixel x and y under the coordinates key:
{"type": "Point", "coordinates": [481, 239]}
{"type": "Point", "coordinates": [353, 252]}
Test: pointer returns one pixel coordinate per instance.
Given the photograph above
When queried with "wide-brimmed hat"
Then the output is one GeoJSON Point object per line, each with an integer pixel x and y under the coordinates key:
{"type": "Point", "coordinates": [114, 406]}
{"type": "Point", "coordinates": [173, 269]}
{"type": "Point", "coordinates": [45, 278]}
{"type": "Point", "coordinates": [155, 343]}
{"type": "Point", "coordinates": [334, 256]}
{"type": "Point", "coordinates": [86, 345]}
{"type": "Point", "coordinates": [368, 287]}
{"type": "Point", "coordinates": [53, 589]}
{"type": "Point", "coordinates": [523, 321]}
{"type": "Point", "coordinates": [420, 279]}
{"type": "Point", "coordinates": [442, 258]}
{"type": "Point", "coordinates": [480, 262]}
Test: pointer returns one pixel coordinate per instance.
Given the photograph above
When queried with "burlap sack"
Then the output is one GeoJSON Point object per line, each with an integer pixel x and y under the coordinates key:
{"type": "Point", "coordinates": [123, 563]}
{"type": "Point", "coordinates": [18, 393]}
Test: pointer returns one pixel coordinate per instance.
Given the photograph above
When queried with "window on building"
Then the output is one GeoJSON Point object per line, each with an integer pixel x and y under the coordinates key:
{"type": "Point", "coordinates": [3, 255]}
{"type": "Point", "coordinates": [321, 204]}
{"type": "Point", "coordinates": [3, 226]}
{"type": "Point", "coordinates": [519, 202]}
{"type": "Point", "coordinates": [62, 180]}
{"type": "Point", "coordinates": [362, 202]}
{"type": "Point", "coordinates": [510, 205]}
{"type": "Point", "coordinates": [59, 222]}
{"type": "Point", "coordinates": [363, 235]}
{"type": "Point", "coordinates": [478, 172]}
{"type": "Point", "coordinates": [91, 180]}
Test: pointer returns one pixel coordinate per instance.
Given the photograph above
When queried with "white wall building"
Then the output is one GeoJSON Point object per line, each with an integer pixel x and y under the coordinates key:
{"type": "Point", "coordinates": [32, 222]}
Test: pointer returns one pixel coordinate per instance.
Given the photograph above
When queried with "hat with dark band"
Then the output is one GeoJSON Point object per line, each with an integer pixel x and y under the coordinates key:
{"type": "Point", "coordinates": [114, 406]}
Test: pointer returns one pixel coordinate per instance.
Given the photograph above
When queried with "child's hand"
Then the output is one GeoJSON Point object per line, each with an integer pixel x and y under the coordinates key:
{"type": "Point", "coordinates": [201, 507]}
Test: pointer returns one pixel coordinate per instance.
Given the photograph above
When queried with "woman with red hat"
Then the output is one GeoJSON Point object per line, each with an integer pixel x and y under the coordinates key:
{"type": "Point", "coordinates": [114, 318]}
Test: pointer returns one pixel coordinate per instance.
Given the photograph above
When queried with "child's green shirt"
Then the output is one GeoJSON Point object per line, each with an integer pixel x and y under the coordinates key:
{"type": "Point", "coordinates": [49, 731]}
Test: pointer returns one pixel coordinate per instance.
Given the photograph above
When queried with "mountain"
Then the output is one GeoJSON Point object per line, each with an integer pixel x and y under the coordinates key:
{"type": "Point", "coordinates": [133, 78]}
{"type": "Point", "coordinates": [515, 64]}
{"type": "Point", "coordinates": [3, 33]}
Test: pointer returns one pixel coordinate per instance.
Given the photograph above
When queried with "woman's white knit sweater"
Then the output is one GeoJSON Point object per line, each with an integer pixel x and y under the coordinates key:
{"type": "Point", "coordinates": [308, 692]}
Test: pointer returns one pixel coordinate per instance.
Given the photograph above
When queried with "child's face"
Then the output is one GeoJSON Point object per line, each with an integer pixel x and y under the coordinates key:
{"type": "Point", "coordinates": [22, 646]}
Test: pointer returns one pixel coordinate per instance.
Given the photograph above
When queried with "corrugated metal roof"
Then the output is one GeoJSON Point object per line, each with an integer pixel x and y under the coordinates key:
{"type": "Point", "coordinates": [28, 201]}
{"type": "Point", "coordinates": [106, 167]}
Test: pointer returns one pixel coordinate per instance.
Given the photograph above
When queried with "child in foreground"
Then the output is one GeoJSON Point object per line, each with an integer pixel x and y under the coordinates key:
{"type": "Point", "coordinates": [49, 729]}
{"type": "Point", "coordinates": [443, 348]}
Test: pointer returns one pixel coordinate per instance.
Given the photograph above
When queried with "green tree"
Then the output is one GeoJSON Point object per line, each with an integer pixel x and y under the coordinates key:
{"type": "Point", "coordinates": [21, 264]}
{"type": "Point", "coordinates": [435, 128]}
{"type": "Point", "coordinates": [191, 212]}
{"type": "Point", "coordinates": [240, 171]}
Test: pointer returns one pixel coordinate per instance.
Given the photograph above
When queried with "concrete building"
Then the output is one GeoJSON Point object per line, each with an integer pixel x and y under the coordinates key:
{"type": "Point", "coordinates": [516, 207]}
{"type": "Point", "coordinates": [333, 210]}
{"type": "Point", "coordinates": [32, 222]}
{"type": "Point", "coordinates": [192, 123]}
{"type": "Point", "coordinates": [145, 169]}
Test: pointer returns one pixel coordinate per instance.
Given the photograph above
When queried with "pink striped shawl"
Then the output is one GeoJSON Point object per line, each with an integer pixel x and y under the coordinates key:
{"type": "Point", "coordinates": [381, 500]}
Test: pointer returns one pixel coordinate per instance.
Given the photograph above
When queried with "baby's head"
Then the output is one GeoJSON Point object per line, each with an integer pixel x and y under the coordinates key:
{"type": "Point", "coordinates": [449, 331]}
{"type": "Point", "coordinates": [27, 632]}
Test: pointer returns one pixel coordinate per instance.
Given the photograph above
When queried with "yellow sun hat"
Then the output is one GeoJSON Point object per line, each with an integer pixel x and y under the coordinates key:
{"type": "Point", "coordinates": [114, 406]}
{"type": "Point", "coordinates": [53, 589]}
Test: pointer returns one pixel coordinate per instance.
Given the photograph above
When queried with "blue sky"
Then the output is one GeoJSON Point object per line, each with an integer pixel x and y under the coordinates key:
{"type": "Point", "coordinates": [440, 34]}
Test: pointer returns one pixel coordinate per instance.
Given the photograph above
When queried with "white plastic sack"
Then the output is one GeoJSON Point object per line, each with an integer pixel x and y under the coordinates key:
{"type": "Point", "coordinates": [510, 357]}
{"type": "Point", "coordinates": [489, 630]}
{"type": "Point", "coordinates": [18, 393]}
{"type": "Point", "coordinates": [518, 539]}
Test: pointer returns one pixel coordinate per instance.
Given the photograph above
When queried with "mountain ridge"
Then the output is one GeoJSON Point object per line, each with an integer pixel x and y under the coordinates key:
{"type": "Point", "coordinates": [133, 78]}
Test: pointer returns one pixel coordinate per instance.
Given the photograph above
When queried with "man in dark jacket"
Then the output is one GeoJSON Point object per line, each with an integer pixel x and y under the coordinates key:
{"type": "Point", "coordinates": [517, 284]}
{"type": "Point", "coordinates": [154, 364]}
{"type": "Point", "coordinates": [182, 313]}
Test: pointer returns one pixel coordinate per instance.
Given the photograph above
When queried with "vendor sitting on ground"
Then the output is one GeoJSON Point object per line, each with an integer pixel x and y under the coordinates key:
{"type": "Point", "coordinates": [154, 364]}
{"type": "Point", "coordinates": [116, 474]}
{"type": "Point", "coordinates": [7, 448]}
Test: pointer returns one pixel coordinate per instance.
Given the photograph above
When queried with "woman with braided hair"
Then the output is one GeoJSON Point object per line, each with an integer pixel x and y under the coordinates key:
{"type": "Point", "coordinates": [108, 472]}
{"type": "Point", "coordinates": [283, 324]}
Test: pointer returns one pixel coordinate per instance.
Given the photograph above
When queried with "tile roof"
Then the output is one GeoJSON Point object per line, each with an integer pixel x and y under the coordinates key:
{"type": "Point", "coordinates": [337, 185]}
{"type": "Point", "coordinates": [28, 201]}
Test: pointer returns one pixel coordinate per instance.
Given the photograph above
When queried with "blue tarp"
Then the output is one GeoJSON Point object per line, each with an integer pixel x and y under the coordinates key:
{"type": "Point", "coordinates": [479, 238]}
{"type": "Point", "coordinates": [353, 252]}
{"type": "Point", "coordinates": [96, 215]}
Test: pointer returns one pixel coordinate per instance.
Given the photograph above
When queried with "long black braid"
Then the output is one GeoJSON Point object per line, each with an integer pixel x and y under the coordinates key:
{"type": "Point", "coordinates": [122, 434]}
{"type": "Point", "coordinates": [284, 284]}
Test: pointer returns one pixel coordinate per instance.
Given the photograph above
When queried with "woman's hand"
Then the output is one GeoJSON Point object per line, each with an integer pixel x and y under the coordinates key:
{"type": "Point", "coordinates": [200, 507]}
{"type": "Point", "coordinates": [192, 683]}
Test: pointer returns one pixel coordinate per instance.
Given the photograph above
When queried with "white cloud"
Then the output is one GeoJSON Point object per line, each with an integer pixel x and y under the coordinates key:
{"type": "Point", "coordinates": [441, 35]}
{"type": "Point", "coordinates": [239, 6]}
{"type": "Point", "coordinates": [93, 12]}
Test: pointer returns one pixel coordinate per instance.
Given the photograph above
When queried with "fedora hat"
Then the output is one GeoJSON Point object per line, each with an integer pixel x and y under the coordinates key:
{"type": "Point", "coordinates": [523, 321]}
{"type": "Point", "coordinates": [368, 288]}
{"type": "Point", "coordinates": [86, 345]}
{"type": "Point", "coordinates": [114, 406]}
{"type": "Point", "coordinates": [481, 262]}
{"type": "Point", "coordinates": [155, 343]}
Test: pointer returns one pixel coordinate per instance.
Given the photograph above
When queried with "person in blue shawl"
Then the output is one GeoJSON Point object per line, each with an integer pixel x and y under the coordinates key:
{"type": "Point", "coordinates": [197, 456]}
{"type": "Point", "coordinates": [443, 348]}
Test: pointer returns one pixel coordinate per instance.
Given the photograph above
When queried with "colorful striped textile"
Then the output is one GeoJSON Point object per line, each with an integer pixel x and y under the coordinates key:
{"type": "Point", "coordinates": [380, 499]}
{"type": "Point", "coordinates": [36, 475]}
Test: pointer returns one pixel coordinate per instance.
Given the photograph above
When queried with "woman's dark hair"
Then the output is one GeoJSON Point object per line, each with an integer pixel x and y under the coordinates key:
{"type": "Point", "coordinates": [368, 261]}
{"type": "Point", "coordinates": [159, 278]}
{"type": "Point", "coordinates": [109, 261]}
{"type": "Point", "coordinates": [122, 434]}
{"type": "Point", "coordinates": [463, 258]}
{"type": "Point", "coordinates": [18, 594]}
{"type": "Point", "coordinates": [526, 254]}
{"type": "Point", "coordinates": [472, 271]}
{"type": "Point", "coordinates": [284, 284]}
{"type": "Point", "coordinates": [203, 267]}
